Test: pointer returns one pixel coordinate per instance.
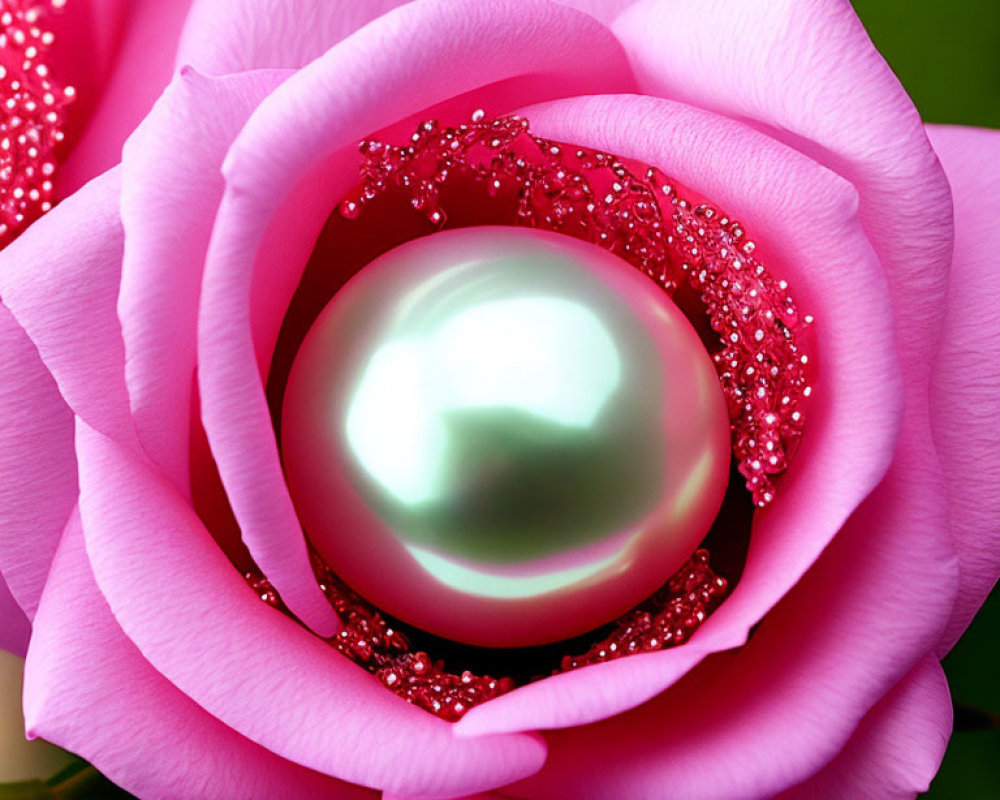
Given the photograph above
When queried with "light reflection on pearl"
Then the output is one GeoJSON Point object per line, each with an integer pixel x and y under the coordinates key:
{"type": "Point", "coordinates": [503, 435]}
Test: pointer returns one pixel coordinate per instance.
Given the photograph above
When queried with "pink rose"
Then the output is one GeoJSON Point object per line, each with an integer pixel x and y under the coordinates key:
{"type": "Point", "coordinates": [817, 677]}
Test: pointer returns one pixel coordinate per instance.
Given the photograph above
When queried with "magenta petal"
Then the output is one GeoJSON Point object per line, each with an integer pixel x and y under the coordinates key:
{"type": "Point", "coordinates": [274, 207]}
{"type": "Point", "coordinates": [171, 188]}
{"type": "Point", "coordinates": [197, 622]}
{"type": "Point", "coordinates": [141, 69]}
{"type": "Point", "coordinates": [965, 389]}
{"type": "Point", "coordinates": [896, 749]}
{"type": "Point", "coordinates": [804, 221]}
{"type": "Point", "coordinates": [89, 690]}
{"type": "Point", "coordinates": [15, 630]}
{"type": "Point", "coordinates": [223, 36]}
{"type": "Point", "coordinates": [60, 281]}
{"type": "Point", "coordinates": [37, 466]}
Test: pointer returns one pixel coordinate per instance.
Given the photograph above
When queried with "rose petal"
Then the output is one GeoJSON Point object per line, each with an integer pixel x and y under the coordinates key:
{"type": "Point", "coordinates": [60, 281]}
{"type": "Point", "coordinates": [223, 36]}
{"type": "Point", "coordinates": [274, 207]}
{"type": "Point", "coordinates": [965, 392]}
{"type": "Point", "coordinates": [896, 749]}
{"type": "Point", "coordinates": [37, 467]}
{"type": "Point", "coordinates": [604, 10]}
{"type": "Point", "coordinates": [197, 622]}
{"type": "Point", "coordinates": [832, 96]}
{"type": "Point", "coordinates": [142, 68]}
{"type": "Point", "coordinates": [15, 630]}
{"type": "Point", "coordinates": [88, 689]}
{"type": "Point", "coordinates": [803, 219]}
{"type": "Point", "coordinates": [171, 187]}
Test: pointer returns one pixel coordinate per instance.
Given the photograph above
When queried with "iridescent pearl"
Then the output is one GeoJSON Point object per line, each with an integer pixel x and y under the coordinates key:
{"type": "Point", "coordinates": [504, 436]}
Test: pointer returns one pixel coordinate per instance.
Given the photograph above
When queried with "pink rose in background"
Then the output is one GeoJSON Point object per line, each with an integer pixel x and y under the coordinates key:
{"type": "Point", "coordinates": [166, 279]}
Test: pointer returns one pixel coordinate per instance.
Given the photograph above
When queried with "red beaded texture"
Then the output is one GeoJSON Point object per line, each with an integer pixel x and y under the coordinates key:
{"type": "Point", "coordinates": [667, 619]}
{"type": "Point", "coordinates": [602, 198]}
{"type": "Point", "coordinates": [33, 115]}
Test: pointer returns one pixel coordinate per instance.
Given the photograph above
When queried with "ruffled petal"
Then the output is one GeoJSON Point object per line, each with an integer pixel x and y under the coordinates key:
{"type": "Point", "coordinates": [171, 188]}
{"type": "Point", "coordinates": [37, 470]}
{"type": "Point", "coordinates": [88, 689]}
{"type": "Point", "coordinates": [806, 71]}
{"type": "Point", "coordinates": [194, 618]}
{"type": "Point", "coordinates": [896, 749]}
{"type": "Point", "coordinates": [275, 206]}
{"type": "Point", "coordinates": [803, 220]}
{"type": "Point", "coordinates": [60, 281]}
{"type": "Point", "coordinates": [142, 67]}
{"type": "Point", "coordinates": [965, 389]}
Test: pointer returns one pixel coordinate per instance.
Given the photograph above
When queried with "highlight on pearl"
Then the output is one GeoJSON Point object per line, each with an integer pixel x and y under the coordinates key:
{"type": "Point", "coordinates": [504, 436]}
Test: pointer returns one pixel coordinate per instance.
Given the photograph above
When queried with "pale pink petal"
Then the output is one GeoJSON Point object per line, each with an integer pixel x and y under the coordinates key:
{"type": "Point", "coordinates": [14, 626]}
{"type": "Point", "coordinates": [487, 796]}
{"type": "Point", "coordinates": [60, 281]}
{"type": "Point", "coordinates": [195, 619]}
{"type": "Point", "coordinates": [604, 10]}
{"type": "Point", "coordinates": [752, 722]}
{"type": "Point", "coordinates": [804, 222]}
{"type": "Point", "coordinates": [223, 36]}
{"type": "Point", "coordinates": [171, 188]}
{"type": "Point", "coordinates": [896, 749]}
{"type": "Point", "coordinates": [806, 71]}
{"type": "Point", "coordinates": [37, 466]}
{"type": "Point", "coordinates": [275, 206]}
{"type": "Point", "coordinates": [965, 398]}
{"type": "Point", "coordinates": [142, 67]}
{"type": "Point", "coordinates": [89, 690]}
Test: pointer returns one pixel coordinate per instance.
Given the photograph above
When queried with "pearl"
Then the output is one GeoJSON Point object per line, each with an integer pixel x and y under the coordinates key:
{"type": "Point", "coordinates": [504, 436]}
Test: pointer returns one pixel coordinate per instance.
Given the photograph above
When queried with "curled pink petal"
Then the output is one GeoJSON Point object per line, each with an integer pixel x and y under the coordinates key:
{"type": "Point", "coordinates": [223, 36]}
{"type": "Point", "coordinates": [803, 219]}
{"type": "Point", "coordinates": [965, 387]}
{"type": "Point", "coordinates": [60, 282]}
{"type": "Point", "coordinates": [896, 749]}
{"type": "Point", "coordinates": [168, 206]}
{"type": "Point", "coordinates": [89, 690]}
{"type": "Point", "coordinates": [37, 467]}
{"type": "Point", "coordinates": [273, 209]}
{"type": "Point", "coordinates": [194, 618]}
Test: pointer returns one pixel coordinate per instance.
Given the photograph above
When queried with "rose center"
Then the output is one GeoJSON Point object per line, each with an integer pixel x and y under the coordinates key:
{"type": "Point", "coordinates": [504, 436]}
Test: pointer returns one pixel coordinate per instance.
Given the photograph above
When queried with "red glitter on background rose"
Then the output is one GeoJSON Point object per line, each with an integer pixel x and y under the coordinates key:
{"type": "Point", "coordinates": [32, 115]}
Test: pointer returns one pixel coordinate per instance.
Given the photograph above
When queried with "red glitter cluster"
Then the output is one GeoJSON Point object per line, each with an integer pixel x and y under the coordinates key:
{"type": "Point", "coordinates": [600, 197]}
{"type": "Point", "coordinates": [666, 619]}
{"type": "Point", "coordinates": [32, 116]}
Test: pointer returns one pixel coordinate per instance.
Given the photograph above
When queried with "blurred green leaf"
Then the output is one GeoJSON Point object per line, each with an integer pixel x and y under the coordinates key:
{"type": "Point", "coordinates": [947, 55]}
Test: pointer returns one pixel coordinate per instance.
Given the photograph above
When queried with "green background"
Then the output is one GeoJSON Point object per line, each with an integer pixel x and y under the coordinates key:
{"type": "Point", "coordinates": [947, 55]}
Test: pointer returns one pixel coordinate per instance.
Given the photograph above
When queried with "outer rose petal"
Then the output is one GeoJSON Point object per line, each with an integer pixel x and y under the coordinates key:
{"type": "Point", "coordinates": [965, 390]}
{"type": "Point", "coordinates": [60, 281]}
{"type": "Point", "coordinates": [80, 661]}
{"type": "Point", "coordinates": [223, 36]}
{"type": "Point", "coordinates": [803, 219]}
{"type": "Point", "coordinates": [37, 469]}
{"type": "Point", "coordinates": [141, 69]}
{"type": "Point", "coordinates": [196, 621]}
{"type": "Point", "coordinates": [274, 207]}
{"type": "Point", "coordinates": [168, 207]}
{"type": "Point", "coordinates": [896, 749]}
{"type": "Point", "coordinates": [14, 626]}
